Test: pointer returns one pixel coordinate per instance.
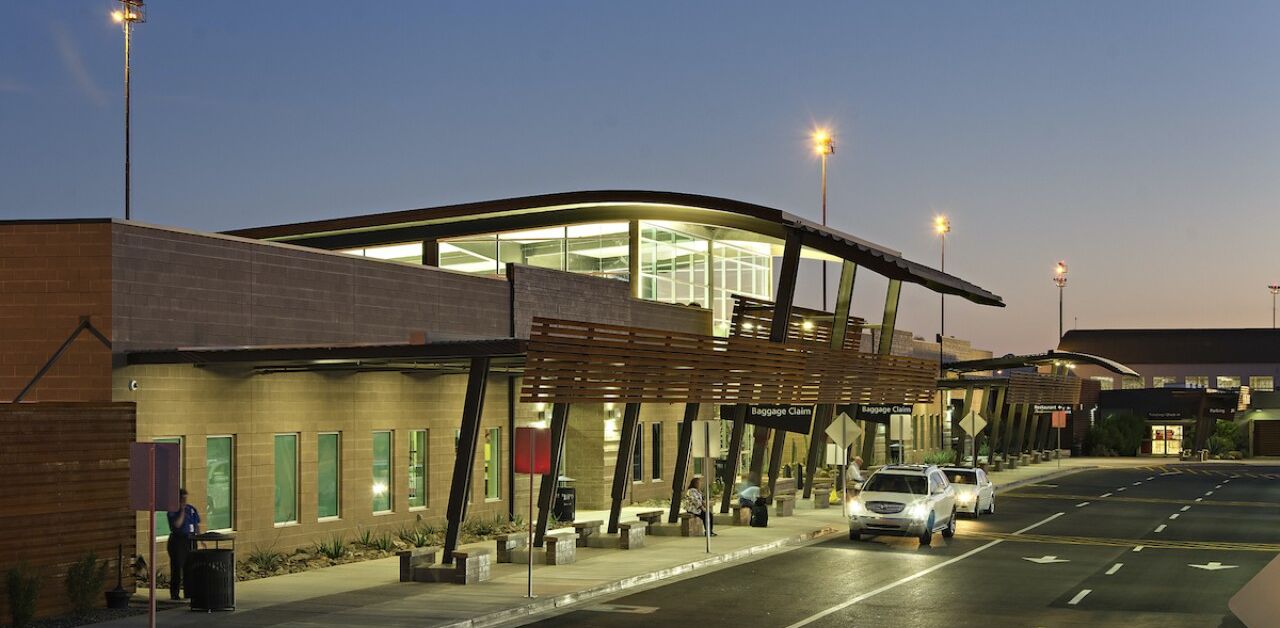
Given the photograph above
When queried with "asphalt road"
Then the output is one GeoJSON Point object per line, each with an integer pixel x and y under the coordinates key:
{"type": "Point", "coordinates": [1115, 547]}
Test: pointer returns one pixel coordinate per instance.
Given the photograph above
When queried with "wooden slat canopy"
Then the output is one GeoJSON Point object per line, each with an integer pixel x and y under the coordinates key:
{"type": "Point", "coordinates": [1042, 388]}
{"type": "Point", "coordinates": [572, 362]}
{"type": "Point", "coordinates": [753, 318]}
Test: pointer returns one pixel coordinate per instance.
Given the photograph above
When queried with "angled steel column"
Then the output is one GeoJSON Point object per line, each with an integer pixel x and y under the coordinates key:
{"type": "Point", "coordinates": [1033, 426]}
{"type": "Point", "coordinates": [888, 323]}
{"type": "Point", "coordinates": [683, 446]}
{"type": "Point", "coordinates": [1010, 435]}
{"type": "Point", "coordinates": [775, 458]}
{"type": "Point", "coordinates": [547, 490]}
{"type": "Point", "coordinates": [468, 437]}
{"type": "Point", "coordinates": [823, 414]}
{"type": "Point", "coordinates": [999, 425]}
{"type": "Point", "coordinates": [1046, 422]}
{"type": "Point", "coordinates": [735, 454]}
{"type": "Point", "coordinates": [782, 304]}
{"type": "Point", "coordinates": [633, 259]}
{"type": "Point", "coordinates": [955, 424]}
{"type": "Point", "coordinates": [622, 468]}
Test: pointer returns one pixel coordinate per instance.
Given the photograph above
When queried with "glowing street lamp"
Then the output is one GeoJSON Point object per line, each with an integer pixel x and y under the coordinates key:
{"type": "Point", "coordinates": [130, 12]}
{"type": "Point", "coordinates": [1275, 289]}
{"type": "Point", "coordinates": [942, 226]}
{"type": "Point", "coordinates": [1060, 280]}
{"type": "Point", "coordinates": [823, 146]}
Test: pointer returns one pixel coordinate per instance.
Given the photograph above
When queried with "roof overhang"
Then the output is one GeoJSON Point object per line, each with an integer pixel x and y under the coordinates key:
{"type": "Point", "coordinates": [1038, 359]}
{"type": "Point", "coordinates": [431, 356]}
{"type": "Point", "coordinates": [611, 205]}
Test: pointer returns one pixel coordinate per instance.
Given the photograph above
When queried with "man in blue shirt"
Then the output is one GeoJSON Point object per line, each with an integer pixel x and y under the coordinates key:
{"type": "Point", "coordinates": [184, 525]}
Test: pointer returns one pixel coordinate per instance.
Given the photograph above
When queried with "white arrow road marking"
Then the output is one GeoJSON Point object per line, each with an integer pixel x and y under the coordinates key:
{"type": "Point", "coordinates": [1045, 560]}
{"type": "Point", "coordinates": [1186, 508]}
{"type": "Point", "coordinates": [1138, 548]}
{"type": "Point", "coordinates": [1114, 568]}
{"type": "Point", "coordinates": [1160, 528]}
{"type": "Point", "coordinates": [1212, 566]}
{"type": "Point", "coordinates": [1079, 596]}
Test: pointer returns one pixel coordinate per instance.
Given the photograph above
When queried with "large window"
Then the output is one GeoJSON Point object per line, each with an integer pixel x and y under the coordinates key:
{"type": "Point", "coordinates": [599, 249]}
{"type": "Point", "coordinates": [1158, 381]}
{"type": "Point", "coordinates": [655, 445]}
{"type": "Point", "coordinates": [744, 268]}
{"type": "Point", "coordinates": [328, 474]}
{"type": "Point", "coordinates": [1197, 381]}
{"type": "Point", "coordinates": [382, 489]}
{"type": "Point", "coordinates": [219, 512]}
{"type": "Point", "coordinates": [286, 459]}
{"type": "Point", "coordinates": [1131, 383]}
{"type": "Point", "coordinates": [410, 252]}
{"type": "Point", "coordinates": [637, 456]}
{"type": "Point", "coordinates": [1106, 383]}
{"type": "Point", "coordinates": [162, 518]}
{"type": "Point", "coordinates": [493, 463]}
{"type": "Point", "coordinates": [1228, 382]}
{"type": "Point", "coordinates": [418, 468]}
{"type": "Point", "coordinates": [673, 265]}
{"type": "Point", "coordinates": [1262, 383]}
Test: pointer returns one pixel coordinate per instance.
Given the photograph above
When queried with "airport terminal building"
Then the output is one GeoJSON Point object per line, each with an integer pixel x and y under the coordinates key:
{"type": "Point", "coordinates": [325, 377]}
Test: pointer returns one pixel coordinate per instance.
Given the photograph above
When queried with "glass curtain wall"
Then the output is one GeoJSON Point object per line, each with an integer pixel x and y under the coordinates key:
{"type": "Point", "coordinates": [677, 265]}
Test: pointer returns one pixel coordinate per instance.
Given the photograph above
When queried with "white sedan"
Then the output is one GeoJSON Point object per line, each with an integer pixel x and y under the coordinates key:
{"type": "Point", "coordinates": [975, 494]}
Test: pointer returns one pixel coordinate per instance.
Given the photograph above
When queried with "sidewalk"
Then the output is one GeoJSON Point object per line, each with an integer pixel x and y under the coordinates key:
{"type": "Point", "coordinates": [370, 594]}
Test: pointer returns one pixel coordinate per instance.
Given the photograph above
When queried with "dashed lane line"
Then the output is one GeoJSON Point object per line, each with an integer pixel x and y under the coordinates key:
{"type": "Point", "coordinates": [1173, 516]}
{"type": "Point", "coordinates": [1161, 527]}
{"type": "Point", "coordinates": [1082, 504]}
{"type": "Point", "coordinates": [1114, 568]}
{"type": "Point", "coordinates": [1142, 500]}
{"type": "Point", "coordinates": [1079, 597]}
{"type": "Point", "coordinates": [1186, 508]}
{"type": "Point", "coordinates": [1137, 544]}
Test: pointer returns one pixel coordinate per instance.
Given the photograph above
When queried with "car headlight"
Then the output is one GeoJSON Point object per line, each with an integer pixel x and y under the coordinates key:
{"type": "Point", "coordinates": [856, 508]}
{"type": "Point", "coordinates": [965, 498]}
{"type": "Point", "coordinates": [919, 511]}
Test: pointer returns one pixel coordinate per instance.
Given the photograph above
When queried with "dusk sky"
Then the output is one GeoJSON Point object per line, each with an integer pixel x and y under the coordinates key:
{"type": "Point", "coordinates": [1139, 141]}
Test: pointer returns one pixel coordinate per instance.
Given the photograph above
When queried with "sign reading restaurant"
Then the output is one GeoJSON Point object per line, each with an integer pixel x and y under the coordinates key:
{"type": "Point", "coordinates": [1046, 408]}
{"type": "Point", "coordinates": [785, 417]}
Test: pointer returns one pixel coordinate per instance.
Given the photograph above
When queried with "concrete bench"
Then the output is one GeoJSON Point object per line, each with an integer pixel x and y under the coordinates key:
{"type": "Point", "coordinates": [416, 557]}
{"type": "Point", "coordinates": [821, 495]}
{"type": "Point", "coordinates": [585, 530]}
{"type": "Point", "coordinates": [561, 547]}
{"type": "Point", "coordinates": [652, 517]}
{"type": "Point", "coordinates": [737, 516]}
{"type": "Point", "coordinates": [784, 505]}
{"type": "Point", "coordinates": [784, 486]}
{"type": "Point", "coordinates": [469, 567]}
{"type": "Point", "coordinates": [631, 535]}
{"type": "Point", "coordinates": [506, 543]}
{"type": "Point", "coordinates": [691, 525]}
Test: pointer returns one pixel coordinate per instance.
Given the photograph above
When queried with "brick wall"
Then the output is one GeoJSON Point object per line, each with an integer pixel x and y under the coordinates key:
{"type": "Point", "coordinates": [65, 491]}
{"type": "Point", "coordinates": [51, 274]}
{"type": "Point", "coordinates": [177, 288]}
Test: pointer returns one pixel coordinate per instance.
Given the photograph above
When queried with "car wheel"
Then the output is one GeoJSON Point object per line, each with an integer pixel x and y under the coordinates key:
{"type": "Point", "coordinates": [926, 537]}
{"type": "Point", "coordinates": [854, 536]}
{"type": "Point", "coordinates": [950, 530]}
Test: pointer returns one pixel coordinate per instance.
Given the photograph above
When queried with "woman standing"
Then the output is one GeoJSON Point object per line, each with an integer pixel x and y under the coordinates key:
{"type": "Point", "coordinates": [696, 504]}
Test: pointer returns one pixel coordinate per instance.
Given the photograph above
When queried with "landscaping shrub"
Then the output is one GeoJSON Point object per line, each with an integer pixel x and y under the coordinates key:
{"type": "Point", "coordinates": [1117, 434]}
{"type": "Point", "coordinates": [334, 547]}
{"type": "Point", "coordinates": [84, 583]}
{"type": "Point", "coordinates": [23, 589]}
{"type": "Point", "coordinates": [417, 536]}
{"type": "Point", "coordinates": [940, 457]}
{"type": "Point", "coordinates": [266, 559]}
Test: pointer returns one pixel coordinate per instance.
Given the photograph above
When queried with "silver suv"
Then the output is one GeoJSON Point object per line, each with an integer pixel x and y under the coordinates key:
{"type": "Point", "coordinates": [904, 500]}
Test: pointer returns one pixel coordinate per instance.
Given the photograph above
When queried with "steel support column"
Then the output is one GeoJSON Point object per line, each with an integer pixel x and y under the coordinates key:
{"type": "Point", "coordinates": [735, 454]}
{"type": "Point", "coordinates": [1011, 434]}
{"type": "Point", "coordinates": [1046, 422]}
{"type": "Point", "coordinates": [775, 458]}
{"type": "Point", "coordinates": [622, 468]}
{"type": "Point", "coordinates": [547, 490]}
{"type": "Point", "coordinates": [888, 323]}
{"type": "Point", "coordinates": [683, 447]}
{"type": "Point", "coordinates": [779, 324]}
{"type": "Point", "coordinates": [999, 424]}
{"type": "Point", "coordinates": [822, 417]}
{"type": "Point", "coordinates": [823, 414]}
{"type": "Point", "coordinates": [468, 438]}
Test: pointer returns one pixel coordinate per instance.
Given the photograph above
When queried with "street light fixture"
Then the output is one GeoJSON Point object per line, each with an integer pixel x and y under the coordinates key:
{"type": "Point", "coordinates": [1060, 280]}
{"type": "Point", "coordinates": [1275, 289]}
{"type": "Point", "coordinates": [130, 12]}
{"type": "Point", "coordinates": [942, 226]}
{"type": "Point", "coordinates": [824, 146]}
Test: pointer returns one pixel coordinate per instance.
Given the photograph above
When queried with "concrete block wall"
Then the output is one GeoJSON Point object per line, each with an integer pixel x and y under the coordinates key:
{"type": "Point", "coordinates": [51, 274]}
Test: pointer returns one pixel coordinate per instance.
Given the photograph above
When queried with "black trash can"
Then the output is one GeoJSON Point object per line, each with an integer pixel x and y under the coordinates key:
{"type": "Point", "coordinates": [211, 574]}
{"type": "Point", "coordinates": [566, 505]}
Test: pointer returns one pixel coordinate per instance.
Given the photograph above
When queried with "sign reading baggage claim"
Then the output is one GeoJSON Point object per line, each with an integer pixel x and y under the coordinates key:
{"type": "Point", "coordinates": [785, 417]}
{"type": "Point", "coordinates": [880, 412]}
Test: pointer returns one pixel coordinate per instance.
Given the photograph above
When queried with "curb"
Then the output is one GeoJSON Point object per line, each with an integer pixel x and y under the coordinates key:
{"type": "Point", "coordinates": [568, 599]}
{"type": "Point", "coordinates": [1041, 478]}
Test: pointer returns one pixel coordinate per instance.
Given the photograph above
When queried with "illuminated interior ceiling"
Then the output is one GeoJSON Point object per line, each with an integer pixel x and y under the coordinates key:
{"type": "Point", "coordinates": [735, 220]}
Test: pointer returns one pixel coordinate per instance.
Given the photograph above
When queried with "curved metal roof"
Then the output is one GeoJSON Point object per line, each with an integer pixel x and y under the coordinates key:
{"type": "Point", "coordinates": [1036, 359]}
{"type": "Point", "coordinates": [599, 205]}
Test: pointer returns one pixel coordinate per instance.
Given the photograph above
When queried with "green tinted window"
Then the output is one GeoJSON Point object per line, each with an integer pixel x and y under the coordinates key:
{"type": "Point", "coordinates": [286, 459]}
{"type": "Point", "coordinates": [381, 471]}
{"type": "Point", "coordinates": [162, 518]}
{"type": "Point", "coordinates": [417, 468]}
{"type": "Point", "coordinates": [219, 476]}
{"type": "Point", "coordinates": [328, 473]}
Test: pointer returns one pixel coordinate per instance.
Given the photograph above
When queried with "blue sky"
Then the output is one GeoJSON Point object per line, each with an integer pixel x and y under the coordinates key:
{"type": "Point", "coordinates": [1139, 141]}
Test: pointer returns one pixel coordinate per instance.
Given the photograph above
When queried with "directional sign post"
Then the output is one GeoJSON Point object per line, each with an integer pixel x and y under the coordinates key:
{"type": "Point", "coordinates": [972, 424]}
{"type": "Point", "coordinates": [843, 430]}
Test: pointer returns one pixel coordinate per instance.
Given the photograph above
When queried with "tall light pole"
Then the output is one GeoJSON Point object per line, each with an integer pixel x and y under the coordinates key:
{"type": "Point", "coordinates": [1275, 289]}
{"type": "Point", "coordinates": [824, 147]}
{"type": "Point", "coordinates": [129, 13]}
{"type": "Point", "coordinates": [1060, 280]}
{"type": "Point", "coordinates": [942, 226]}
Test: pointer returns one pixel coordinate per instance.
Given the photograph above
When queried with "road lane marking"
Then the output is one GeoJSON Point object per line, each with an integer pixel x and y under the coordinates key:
{"type": "Point", "coordinates": [1218, 486]}
{"type": "Point", "coordinates": [1186, 508]}
{"type": "Point", "coordinates": [1212, 566]}
{"type": "Point", "coordinates": [1136, 544]}
{"type": "Point", "coordinates": [1138, 548]}
{"type": "Point", "coordinates": [1079, 596]}
{"type": "Point", "coordinates": [1105, 495]}
{"type": "Point", "coordinates": [1122, 488]}
{"type": "Point", "coordinates": [1173, 516]}
{"type": "Point", "coordinates": [1116, 567]}
{"type": "Point", "coordinates": [917, 575]}
{"type": "Point", "coordinates": [1161, 527]}
{"type": "Point", "coordinates": [1140, 500]}
{"type": "Point", "coordinates": [1151, 478]}
{"type": "Point", "coordinates": [1137, 483]}
{"type": "Point", "coordinates": [1045, 560]}
{"type": "Point", "coordinates": [1199, 499]}
{"type": "Point", "coordinates": [1208, 493]}
{"type": "Point", "coordinates": [1082, 504]}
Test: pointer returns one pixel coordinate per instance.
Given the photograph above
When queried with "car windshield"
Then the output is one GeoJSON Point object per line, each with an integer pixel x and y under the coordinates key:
{"type": "Point", "coordinates": [894, 483]}
{"type": "Point", "coordinates": [962, 477]}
